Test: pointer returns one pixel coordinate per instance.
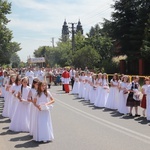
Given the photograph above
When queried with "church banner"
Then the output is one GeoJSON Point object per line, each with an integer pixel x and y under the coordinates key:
{"type": "Point", "coordinates": [36, 60]}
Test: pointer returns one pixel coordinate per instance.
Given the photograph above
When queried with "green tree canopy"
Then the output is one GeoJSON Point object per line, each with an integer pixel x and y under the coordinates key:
{"type": "Point", "coordinates": [145, 49]}
{"type": "Point", "coordinates": [128, 24]}
{"type": "Point", "coordinates": [15, 60]}
{"type": "Point", "coordinates": [86, 56]}
{"type": "Point", "coordinates": [7, 48]}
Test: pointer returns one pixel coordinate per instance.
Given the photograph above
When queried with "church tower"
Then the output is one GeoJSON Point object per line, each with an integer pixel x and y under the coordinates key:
{"type": "Point", "coordinates": [65, 32]}
{"type": "Point", "coordinates": [79, 27]}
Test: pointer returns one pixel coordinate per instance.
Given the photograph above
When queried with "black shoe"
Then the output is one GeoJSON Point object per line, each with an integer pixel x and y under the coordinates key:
{"type": "Point", "coordinates": [130, 114]}
{"type": "Point", "coordinates": [136, 115]}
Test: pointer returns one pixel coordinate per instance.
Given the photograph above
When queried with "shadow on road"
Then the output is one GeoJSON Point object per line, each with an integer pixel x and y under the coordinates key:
{"type": "Point", "coordinates": [1, 110]}
{"type": "Point", "coordinates": [1, 117]}
{"type": "Point", "coordinates": [30, 144]}
{"type": "Point", "coordinates": [127, 117]}
{"type": "Point", "coordinates": [142, 120]}
{"type": "Point", "coordinates": [22, 138]}
{"type": "Point", "coordinates": [8, 132]}
{"type": "Point", "coordinates": [5, 128]}
{"type": "Point", "coordinates": [5, 121]}
{"type": "Point", "coordinates": [1, 104]}
{"type": "Point", "coordinates": [116, 114]}
{"type": "Point", "coordinates": [95, 108]}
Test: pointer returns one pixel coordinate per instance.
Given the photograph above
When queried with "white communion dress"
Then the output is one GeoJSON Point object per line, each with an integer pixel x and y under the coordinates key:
{"type": "Point", "coordinates": [43, 127]}
{"type": "Point", "coordinates": [21, 118]}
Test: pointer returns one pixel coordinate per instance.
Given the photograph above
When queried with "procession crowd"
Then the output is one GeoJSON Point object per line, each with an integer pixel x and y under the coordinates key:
{"type": "Point", "coordinates": [117, 93]}
{"type": "Point", "coordinates": [28, 103]}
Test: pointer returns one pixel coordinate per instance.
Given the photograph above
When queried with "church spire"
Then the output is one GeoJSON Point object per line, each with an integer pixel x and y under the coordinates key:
{"type": "Point", "coordinates": [65, 31]}
{"type": "Point", "coordinates": [79, 27]}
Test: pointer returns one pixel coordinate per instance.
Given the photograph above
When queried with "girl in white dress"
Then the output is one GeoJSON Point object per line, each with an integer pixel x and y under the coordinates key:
{"type": "Point", "coordinates": [43, 126]}
{"type": "Point", "coordinates": [8, 94]}
{"type": "Point", "coordinates": [21, 118]}
{"type": "Point", "coordinates": [104, 91]}
{"type": "Point", "coordinates": [112, 101]}
{"type": "Point", "coordinates": [85, 85]}
{"type": "Point", "coordinates": [123, 94]}
{"type": "Point", "coordinates": [88, 86]}
{"type": "Point", "coordinates": [93, 91]}
{"type": "Point", "coordinates": [31, 97]}
{"type": "Point", "coordinates": [14, 99]}
{"type": "Point", "coordinates": [75, 89]}
{"type": "Point", "coordinates": [81, 87]}
{"type": "Point", "coordinates": [99, 89]}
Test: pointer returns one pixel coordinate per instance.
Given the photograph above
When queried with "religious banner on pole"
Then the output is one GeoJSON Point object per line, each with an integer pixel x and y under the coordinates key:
{"type": "Point", "coordinates": [36, 60]}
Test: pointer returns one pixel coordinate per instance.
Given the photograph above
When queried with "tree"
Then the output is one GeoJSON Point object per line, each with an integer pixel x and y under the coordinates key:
{"type": "Point", "coordinates": [128, 25]}
{"type": "Point", "coordinates": [60, 55]}
{"type": "Point", "coordinates": [101, 42]}
{"type": "Point", "coordinates": [107, 28]}
{"type": "Point", "coordinates": [64, 55]}
{"type": "Point", "coordinates": [15, 60]}
{"type": "Point", "coordinates": [145, 49]}
{"type": "Point", "coordinates": [7, 48]}
{"type": "Point", "coordinates": [79, 40]}
{"type": "Point", "coordinates": [41, 51]}
{"type": "Point", "coordinates": [86, 56]}
{"type": "Point", "coordinates": [5, 33]}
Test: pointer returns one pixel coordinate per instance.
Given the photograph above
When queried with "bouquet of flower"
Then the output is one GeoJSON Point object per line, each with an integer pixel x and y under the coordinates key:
{"type": "Point", "coordinates": [136, 95]}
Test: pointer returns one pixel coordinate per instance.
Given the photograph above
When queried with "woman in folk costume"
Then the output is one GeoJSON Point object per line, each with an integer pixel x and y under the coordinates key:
{"type": "Point", "coordinates": [31, 96]}
{"type": "Point", "coordinates": [99, 89]}
{"type": "Point", "coordinates": [112, 101]}
{"type": "Point", "coordinates": [81, 87]}
{"type": "Point", "coordinates": [21, 118]}
{"type": "Point", "coordinates": [66, 80]}
{"type": "Point", "coordinates": [133, 88]}
{"type": "Point", "coordinates": [8, 94]}
{"type": "Point", "coordinates": [13, 98]}
{"type": "Point", "coordinates": [123, 94]}
{"type": "Point", "coordinates": [144, 89]}
{"type": "Point", "coordinates": [76, 85]}
{"type": "Point", "coordinates": [93, 92]}
{"type": "Point", "coordinates": [43, 126]}
{"type": "Point", "coordinates": [104, 91]}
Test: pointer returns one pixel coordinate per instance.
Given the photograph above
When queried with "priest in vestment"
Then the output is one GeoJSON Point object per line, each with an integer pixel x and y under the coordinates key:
{"type": "Point", "coordinates": [65, 80]}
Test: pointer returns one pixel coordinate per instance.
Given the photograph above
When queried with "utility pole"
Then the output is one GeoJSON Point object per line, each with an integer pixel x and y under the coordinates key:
{"type": "Point", "coordinates": [53, 42]}
{"type": "Point", "coordinates": [73, 34]}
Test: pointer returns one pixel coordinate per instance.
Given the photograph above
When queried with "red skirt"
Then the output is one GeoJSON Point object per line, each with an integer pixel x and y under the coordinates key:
{"type": "Point", "coordinates": [143, 102]}
{"type": "Point", "coordinates": [66, 87]}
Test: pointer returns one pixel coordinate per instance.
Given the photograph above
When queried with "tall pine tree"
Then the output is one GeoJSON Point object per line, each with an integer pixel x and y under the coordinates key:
{"type": "Point", "coordinates": [128, 24]}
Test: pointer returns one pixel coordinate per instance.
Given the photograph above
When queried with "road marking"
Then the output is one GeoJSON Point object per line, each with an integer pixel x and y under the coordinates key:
{"type": "Point", "coordinates": [111, 125]}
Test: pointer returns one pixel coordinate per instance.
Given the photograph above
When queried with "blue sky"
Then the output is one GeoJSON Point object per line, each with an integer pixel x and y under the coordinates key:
{"type": "Point", "coordinates": [35, 22]}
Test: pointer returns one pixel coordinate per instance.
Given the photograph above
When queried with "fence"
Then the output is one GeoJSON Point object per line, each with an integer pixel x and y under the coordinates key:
{"type": "Point", "coordinates": [141, 81]}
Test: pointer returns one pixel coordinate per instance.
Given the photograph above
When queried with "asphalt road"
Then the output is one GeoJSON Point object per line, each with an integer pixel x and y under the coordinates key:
{"type": "Point", "coordinates": [78, 125]}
